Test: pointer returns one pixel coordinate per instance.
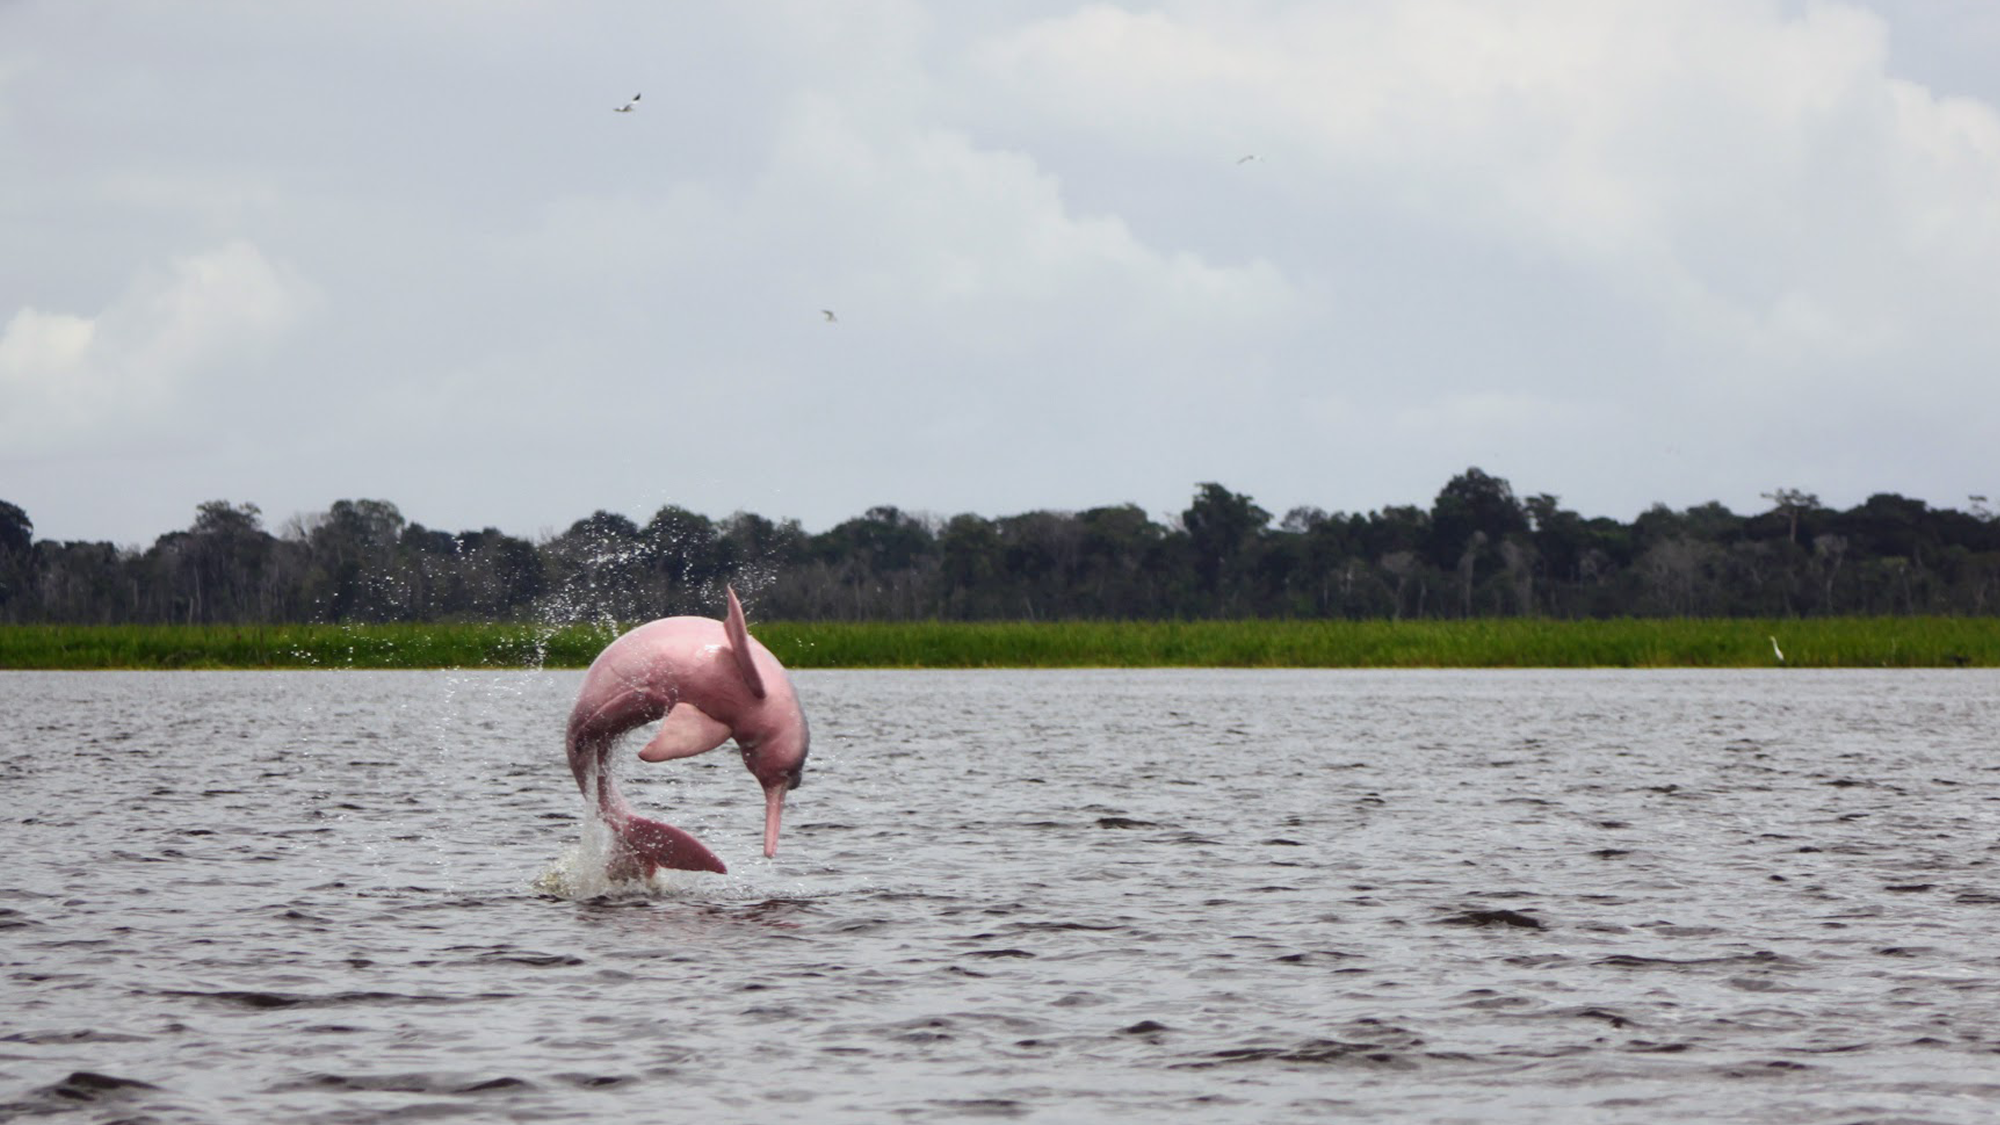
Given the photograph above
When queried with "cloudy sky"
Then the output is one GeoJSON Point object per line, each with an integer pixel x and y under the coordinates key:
{"type": "Point", "coordinates": [1623, 251]}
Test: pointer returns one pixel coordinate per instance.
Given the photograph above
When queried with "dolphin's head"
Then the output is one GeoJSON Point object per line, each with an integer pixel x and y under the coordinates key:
{"type": "Point", "coordinates": [777, 758]}
{"type": "Point", "coordinates": [773, 734]}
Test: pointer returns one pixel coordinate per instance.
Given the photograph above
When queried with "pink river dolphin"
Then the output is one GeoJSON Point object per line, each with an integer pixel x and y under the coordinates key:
{"type": "Point", "coordinates": [709, 681]}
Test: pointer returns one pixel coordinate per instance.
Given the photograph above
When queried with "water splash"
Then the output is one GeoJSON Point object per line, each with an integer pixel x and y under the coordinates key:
{"type": "Point", "coordinates": [578, 874]}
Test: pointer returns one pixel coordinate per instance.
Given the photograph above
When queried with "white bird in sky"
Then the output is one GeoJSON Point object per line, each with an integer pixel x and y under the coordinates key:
{"type": "Point", "coordinates": [830, 318]}
{"type": "Point", "coordinates": [628, 106]}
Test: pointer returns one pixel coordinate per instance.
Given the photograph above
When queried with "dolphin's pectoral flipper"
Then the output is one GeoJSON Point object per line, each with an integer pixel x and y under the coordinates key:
{"type": "Point", "coordinates": [686, 731]}
{"type": "Point", "coordinates": [644, 846]}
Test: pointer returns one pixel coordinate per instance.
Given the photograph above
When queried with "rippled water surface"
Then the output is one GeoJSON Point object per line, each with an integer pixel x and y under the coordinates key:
{"type": "Point", "coordinates": [1054, 896]}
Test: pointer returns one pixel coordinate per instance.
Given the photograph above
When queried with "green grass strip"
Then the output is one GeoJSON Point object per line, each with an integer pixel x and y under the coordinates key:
{"type": "Point", "coordinates": [1841, 642]}
{"type": "Point", "coordinates": [298, 646]}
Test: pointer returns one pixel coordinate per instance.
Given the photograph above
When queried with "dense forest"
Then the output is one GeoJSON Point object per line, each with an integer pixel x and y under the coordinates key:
{"type": "Point", "coordinates": [1477, 551]}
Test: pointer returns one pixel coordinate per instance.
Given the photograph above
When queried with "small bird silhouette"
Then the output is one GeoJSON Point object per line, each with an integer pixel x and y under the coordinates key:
{"type": "Point", "coordinates": [628, 106]}
{"type": "Point", "coordinates": [830, 318]}
{"type": "Point", "coordinates": [1247, 158]}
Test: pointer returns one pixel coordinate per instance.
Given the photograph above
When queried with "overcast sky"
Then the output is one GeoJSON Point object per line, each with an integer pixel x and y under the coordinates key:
{"type": "Point", "coordinates": [1623, 251]}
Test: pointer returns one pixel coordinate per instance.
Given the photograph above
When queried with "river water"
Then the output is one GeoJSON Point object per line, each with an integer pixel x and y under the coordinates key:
{"type": "Point", "coordinates": [1229, 896]}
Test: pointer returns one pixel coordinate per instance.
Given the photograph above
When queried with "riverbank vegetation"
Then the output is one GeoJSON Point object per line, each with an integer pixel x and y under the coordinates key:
{"type": "Point", "coordinates": [1894, 642]}
{"type": "Point", "coordinates": [1477, 552]}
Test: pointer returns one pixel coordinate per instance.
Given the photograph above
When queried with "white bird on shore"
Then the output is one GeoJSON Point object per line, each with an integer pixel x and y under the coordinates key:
{"type": "Point", "coordinates": [1776, 651]}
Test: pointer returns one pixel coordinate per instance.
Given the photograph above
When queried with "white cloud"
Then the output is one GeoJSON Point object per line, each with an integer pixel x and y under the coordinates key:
{"type": "Point", "coordinates": [130, 368]}
{"type": "Point", "coordinates": [1752, 176]}
{"type": "Point", "coordinates": [36, 341]}
{"type": "Point", "coordinates": [912, 232]}
{"type": "Point", "coordinates": [989, 233]}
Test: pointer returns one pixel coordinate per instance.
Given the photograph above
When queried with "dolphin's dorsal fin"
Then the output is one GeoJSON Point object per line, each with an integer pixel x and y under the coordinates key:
{"type": "Point", "coordinates": [739, 645]}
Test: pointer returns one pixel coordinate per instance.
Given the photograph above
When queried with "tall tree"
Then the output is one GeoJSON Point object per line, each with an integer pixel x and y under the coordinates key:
{"type": "Point", "coordinates": [1793, 504]}
{"type": "Point", "coordinates": [1222, 529]}
{"type": "Point", "coordinates": [685, 556]}
{"type": "Point", "coordinates": [1118, 558]}
{"type": "Point", "coordinates": [17, 531]}
{"type": "Point", "coordinates": [971, 558]}
{"type": "Point", "coordinates": [596, 565]}
{"type": "Point", "coordinates": [352, 548]}
{"type": "Point", "coordinates": [17, 543]}
{"type": "Point", "coordinates": [225, 554]}
{"type": "Point", "coordinates": [1472, 503]}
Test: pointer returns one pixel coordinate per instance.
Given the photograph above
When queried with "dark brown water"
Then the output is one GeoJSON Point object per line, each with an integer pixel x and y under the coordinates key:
{"type": "Point", "coordinates": [1050, 896]}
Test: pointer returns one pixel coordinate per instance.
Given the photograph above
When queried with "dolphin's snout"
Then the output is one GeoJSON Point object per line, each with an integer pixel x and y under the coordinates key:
{"type": "Point", "coordinates": [774, 811]}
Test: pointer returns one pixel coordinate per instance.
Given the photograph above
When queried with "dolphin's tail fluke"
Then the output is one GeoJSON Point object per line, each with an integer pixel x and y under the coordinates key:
{"type": "Point", "coordinates": [640, 847]}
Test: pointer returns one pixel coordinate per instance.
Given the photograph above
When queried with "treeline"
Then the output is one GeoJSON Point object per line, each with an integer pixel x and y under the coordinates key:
{"type": "Point", "coordinates": [1476, 551]}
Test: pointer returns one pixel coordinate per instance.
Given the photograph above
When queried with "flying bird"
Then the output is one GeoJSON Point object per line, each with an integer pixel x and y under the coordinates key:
{"type": "Point", "coordinates": [1247, 158]}
{"type": "Point", "coordinates": [830, 318]}
{"type": "Point", "coordinates": [628, 106]}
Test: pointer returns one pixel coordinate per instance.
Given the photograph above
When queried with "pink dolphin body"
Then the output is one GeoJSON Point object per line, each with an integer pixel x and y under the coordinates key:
{"type": "Point", "coordinates": [711, 681]}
